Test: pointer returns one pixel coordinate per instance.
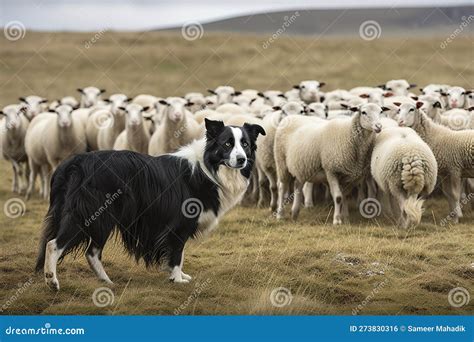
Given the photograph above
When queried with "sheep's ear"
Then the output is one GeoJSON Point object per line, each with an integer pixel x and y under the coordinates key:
{"type": "Point", "coordinates": [213, 128]}
{"type": "Point", "coordinates": [146, 108]}
{"type": "Point", "coordinates": [22, 99]}
{"type": "Point", "coordinates": [388, 95]}
{"type": "Point", "coordinates": [443, 93]}
{"type": "Point", "coordinates": [260, 94]}
{"type": "Point", "coordinates": [76, 106]}
{"type": "Point", "coordinates": [80, 90]}
{"type": "Point", "coordinates": [282, 95]}
{"type": "Point", "coordinates": [322, 84]}
{"type": "Point", "coordinates": [211, 91]}
{"type": "Point", "coordinates": [52, 111]}
{"type": "Point", "coordinates": [44, 101]}
{"type": "Point", "coordinates": [343, 105]}
{"type": "Point", "coordinates": [254, 130]}
{"type": "Point", "coordinates": [364, 96]}
{"type": "Point", "coordinates": [398, 104]}
{"type": "Point", "coordinates": [412, 85]}
{"type": "Point", "coordinates": [354, 109]}
{"type": "Point", "coordinates": [2, 113]}
{"type": "Point", "coordinates": [421, 89]}
{"type": "Point", "coordinates": [437, 104]}
{"type": "Point", "coordinates": [107, 100]}
{"type": "Point", "coordinates": [384, 109]}
{"type": "Point", "coordinates": [122, 108]}
{"type": "Point", "coordinates": [189, 104]}
{"type": "Point", "coordinates": [128, 99]}
{"type": "Point", "coordinates": [210, 103]}
{"type": "Point", "coordinates": [276, 108]}
{"type": "Point", "coordinates": [163, 102]}
{"type": "Point", "coordinates": [381, 86]}
{"type": "Point", "coordinates": [296, 87]}
{"type": "Point", "coordinates": [419, 104]}
{"type": "Point", "coordinates": [470, 109]}
{"type": "Point", "coordinates": [414, 98]}
{"type": "Point", "coordinates": [237, 93]}
{"type": "Point", "coordinates": [323, 98]}
{"type": "Point", "coordinates": [102, 91]}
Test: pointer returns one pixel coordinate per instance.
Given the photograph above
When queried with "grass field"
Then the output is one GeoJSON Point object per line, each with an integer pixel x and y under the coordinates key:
{"type": "Point", "coordinates": [367, 267]}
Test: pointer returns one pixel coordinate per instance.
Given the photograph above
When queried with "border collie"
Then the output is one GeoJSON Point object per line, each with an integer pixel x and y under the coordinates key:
{"type": "Point", "coordinates": [155, 203]}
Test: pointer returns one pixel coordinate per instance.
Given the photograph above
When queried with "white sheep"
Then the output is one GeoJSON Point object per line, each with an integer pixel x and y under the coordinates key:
{"type": "Point", "coordinates": [272, 97]}
{"type": "Point", "coordinates": [135, 136]}
{"type": "Point", "coordinates": [371, 94]}
{"type": "Point", "coordinates": [398, 87]}
{"type": "Point", "coordinates": [66, 100]}
{"type": "Point", "coordinates": [231, 108]}
{"type": "Point", "coordinates": [457, 119]}
{"type": "Point", "coordinates": [51, 138]}
{"type": "Point", "coordinates": [34, 105]}
{"type": "Point", "coordinates": [404, 168]}
{"type": "Point", "coordinates": [317, 109]}
{"type": "Point", "coordinates": [224, 94]}
{"type": "Point", "coordinates": [12, 139]}
{"type": "Point", "coordinates": [310, 91]}
{"type": "Point", "coordinates": [456, 97]}
{"type": "Point", "coordinates": [454, 152]}
{"type": "Point", "coordinates": [101, 118]}
{"type": "Point", "coordinates": [90, 96]}
{"type": "Point", "coordinates": [178, 128]}
{"type": "Point", "coordinates": [196, 101]}
{"type": "Point", "coordinates": [336, 150]}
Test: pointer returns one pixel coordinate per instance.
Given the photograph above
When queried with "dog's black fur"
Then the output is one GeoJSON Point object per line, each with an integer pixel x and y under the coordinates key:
{"type": "Point", "coordinates": [145, 195]}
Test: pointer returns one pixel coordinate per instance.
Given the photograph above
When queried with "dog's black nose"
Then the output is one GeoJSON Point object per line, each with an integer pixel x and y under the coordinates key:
{"type": "Point", "coordinates": [241, 160]}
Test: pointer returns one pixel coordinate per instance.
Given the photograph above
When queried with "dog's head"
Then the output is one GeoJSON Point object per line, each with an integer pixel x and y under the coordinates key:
{"type": "Point", "coordinates": [231, 146]}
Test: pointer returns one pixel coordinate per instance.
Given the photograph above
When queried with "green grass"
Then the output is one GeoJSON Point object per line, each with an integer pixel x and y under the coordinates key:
{"type": "Point", "coordinates": [328, 270]}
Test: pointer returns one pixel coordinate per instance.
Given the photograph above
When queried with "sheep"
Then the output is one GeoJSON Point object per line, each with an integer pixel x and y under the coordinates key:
{"type": "Point", "coordinates": [310, 91]}
{"type": "Point", "coordinates": [337, 95]}
{"type": "Point", "coordinates": [434, 88]}
{"type": "Point", "coordinates": [177, 129]}
{"type": "Point", "coordinates": [372, 95]}
{"type": "Point", "coordinates": [230, 108]}
{"type": "Point", "coordinates": [336, 150]}
{"type": "Point", "coordinates": [293, 95]}
{"type": "Point", "coordinates": [211, 102]}
{"type": "Point", "coordinates": [272, 97]}
{"type": "Point", "coordinates": [66, 100]}
{"type": "Point", "coordinates": [12, 139]}
{"type": "Point", "coordinates": [397, 87]}
{"type": "Point", "coordinates": [456, 97]}
{"type": "Point", "coordinates": [200, 115]}
{"type": "Point", "coordinates": [196, 101]}
{"type": "Point", "coordinates": [265, 157]}
{"type": "Point", "coordinates": [454, 152]}
{"type": "Point", "coordinates": [224, 94]}
{"type": "Point", "coordinates": [34, 105]}
{"type": "Point", "coordinates": [317, 109]}
{"type": "Point", "coordinates": [457, 119]}
{"type": "Point", "coordinates": [90, 96]}
{"type": "Point", "coordinates": [101, 118]}
{"type": "Point", "coordinates": [469, 99]}
{"type": "Point", "coordinates": [432, 106]}
{"type": "Point", "coordinates": [50, 139]}
{"type": "Point", "coordinates": [135, 136]}
{"type": "Point", "coordinates": [404, 168]}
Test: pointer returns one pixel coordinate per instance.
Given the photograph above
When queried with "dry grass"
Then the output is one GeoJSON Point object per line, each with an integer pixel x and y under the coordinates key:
{"type": "Point", "coordinates": [329, 270]}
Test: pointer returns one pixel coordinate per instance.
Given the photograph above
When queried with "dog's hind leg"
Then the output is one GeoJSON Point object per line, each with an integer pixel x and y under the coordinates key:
{"type": "Point", "coordinates": [176, 259]}
{"type": "Point", "coordinates": [94, 256]}
{"type": "Point", "coordinates": [184, 275]}
{"type": "Point", "coordinates": [53, 253]}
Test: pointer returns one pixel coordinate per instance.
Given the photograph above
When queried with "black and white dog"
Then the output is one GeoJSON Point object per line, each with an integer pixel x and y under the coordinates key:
{"type": "Point", "coordinates": [155, 203]}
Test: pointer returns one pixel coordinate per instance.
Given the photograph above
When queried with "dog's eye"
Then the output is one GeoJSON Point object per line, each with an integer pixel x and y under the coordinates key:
{"type": "Point", "coordinates": [228, 144]}
{"type": "Point", "coordinates": [245, 144]}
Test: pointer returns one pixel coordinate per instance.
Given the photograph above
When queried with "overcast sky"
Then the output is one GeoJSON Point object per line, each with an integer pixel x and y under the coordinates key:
{"type": "Point", "coordinates": [90, 15]}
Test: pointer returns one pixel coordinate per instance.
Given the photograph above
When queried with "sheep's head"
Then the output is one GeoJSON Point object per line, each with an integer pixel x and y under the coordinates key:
{"type": "Point", "coordinates": [33, 105]}
{"type": "Point", "coordinates": [90, 96]}
{"type": "Point", "coordinates": [317, 109]}
{"type": "Point", "coordinates": [456, 97]}
{"type": "Point", "coordinates": [116, 101]}
{"type": "Point", "coordinates": [175, 108]}
{"type": "Point", "coordinates": [434, 88]}
{"type": "Point", "coordinates": [273, 97]}
{"type": "Point", "coordinates": [469, 98]}
{"type": "Point", "coordinates": [310, 91]}
{"type": "Point", "coordinates": [211, 101]}
{"type": "Point", "coordinates": [398, 87]}
{"type": "Point", "coordinates": [370, 114]}
{"type": "Point", "coordinates": [431, 104]}
{"type": "Point", "coordinates": [69, 100]}
{"type": "Point", "coordinates": [224, 94]}
{"type": "Point", "coordinates": [407, 113]}
{"type": "Point", "coordinates": [12, 114]}
{"type": "Point", "coordinates": [134, 114]}
{"type": "Point", "coordinates": [196, 101]}
{"type": "Point", "coordinates": [64, 113]}
{"type": "Point", "coordinates": [376, 96]}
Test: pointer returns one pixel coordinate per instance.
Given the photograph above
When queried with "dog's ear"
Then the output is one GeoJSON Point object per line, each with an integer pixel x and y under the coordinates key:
{"type": "Point", "coordinates": [253, 131]}
{"type": "Point", "coordinates": [213, 128]}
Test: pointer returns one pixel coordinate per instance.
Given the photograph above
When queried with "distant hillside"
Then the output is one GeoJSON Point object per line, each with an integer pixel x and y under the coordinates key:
{"type": "Point", "coordinates": [393, 21]}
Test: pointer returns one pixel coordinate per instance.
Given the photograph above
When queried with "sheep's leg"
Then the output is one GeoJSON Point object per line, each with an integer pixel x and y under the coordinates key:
{"type": "Point", "coordinates": [31, 184]}
{"type": "Point", "coordinates": [308, 194]}
{"type": "Point", "coordinates": [283, 189]}
{"type": "Point", "coordinates": [15, 187]}
{"type": "Point", "coordinates": [361, 191]}
{"type": "Point", "coordinates": [261, 184]}
{"type": "Point", "coordinates": [402, 218]}
{"type": "Point", "coordinates": [273, 191]}
{"type": "Point", "coordinates": [345, 208]}
{"type": "Point", "coordinates": [336, 196]}
{"type": "Point", "coordinates": [371, 188]}
{"type": "Point", "coordinates": [297, 199]}
{"type": "Point", "coordinates": [47, 173]}
{"type": "Point", "coordinates": [452, 190]}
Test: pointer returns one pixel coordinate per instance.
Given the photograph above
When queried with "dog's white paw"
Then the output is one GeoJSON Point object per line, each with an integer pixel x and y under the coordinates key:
{"type": "Point", "coordinates": [186, 276]}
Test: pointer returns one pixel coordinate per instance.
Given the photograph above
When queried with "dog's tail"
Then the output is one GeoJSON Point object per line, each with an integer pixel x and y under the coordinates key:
{"type": "Point", "coordinates": [64, 177]}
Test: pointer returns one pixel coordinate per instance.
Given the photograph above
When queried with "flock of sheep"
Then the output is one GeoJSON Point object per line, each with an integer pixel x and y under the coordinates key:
{"type": "Point", "coordinates": [377, 142]}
